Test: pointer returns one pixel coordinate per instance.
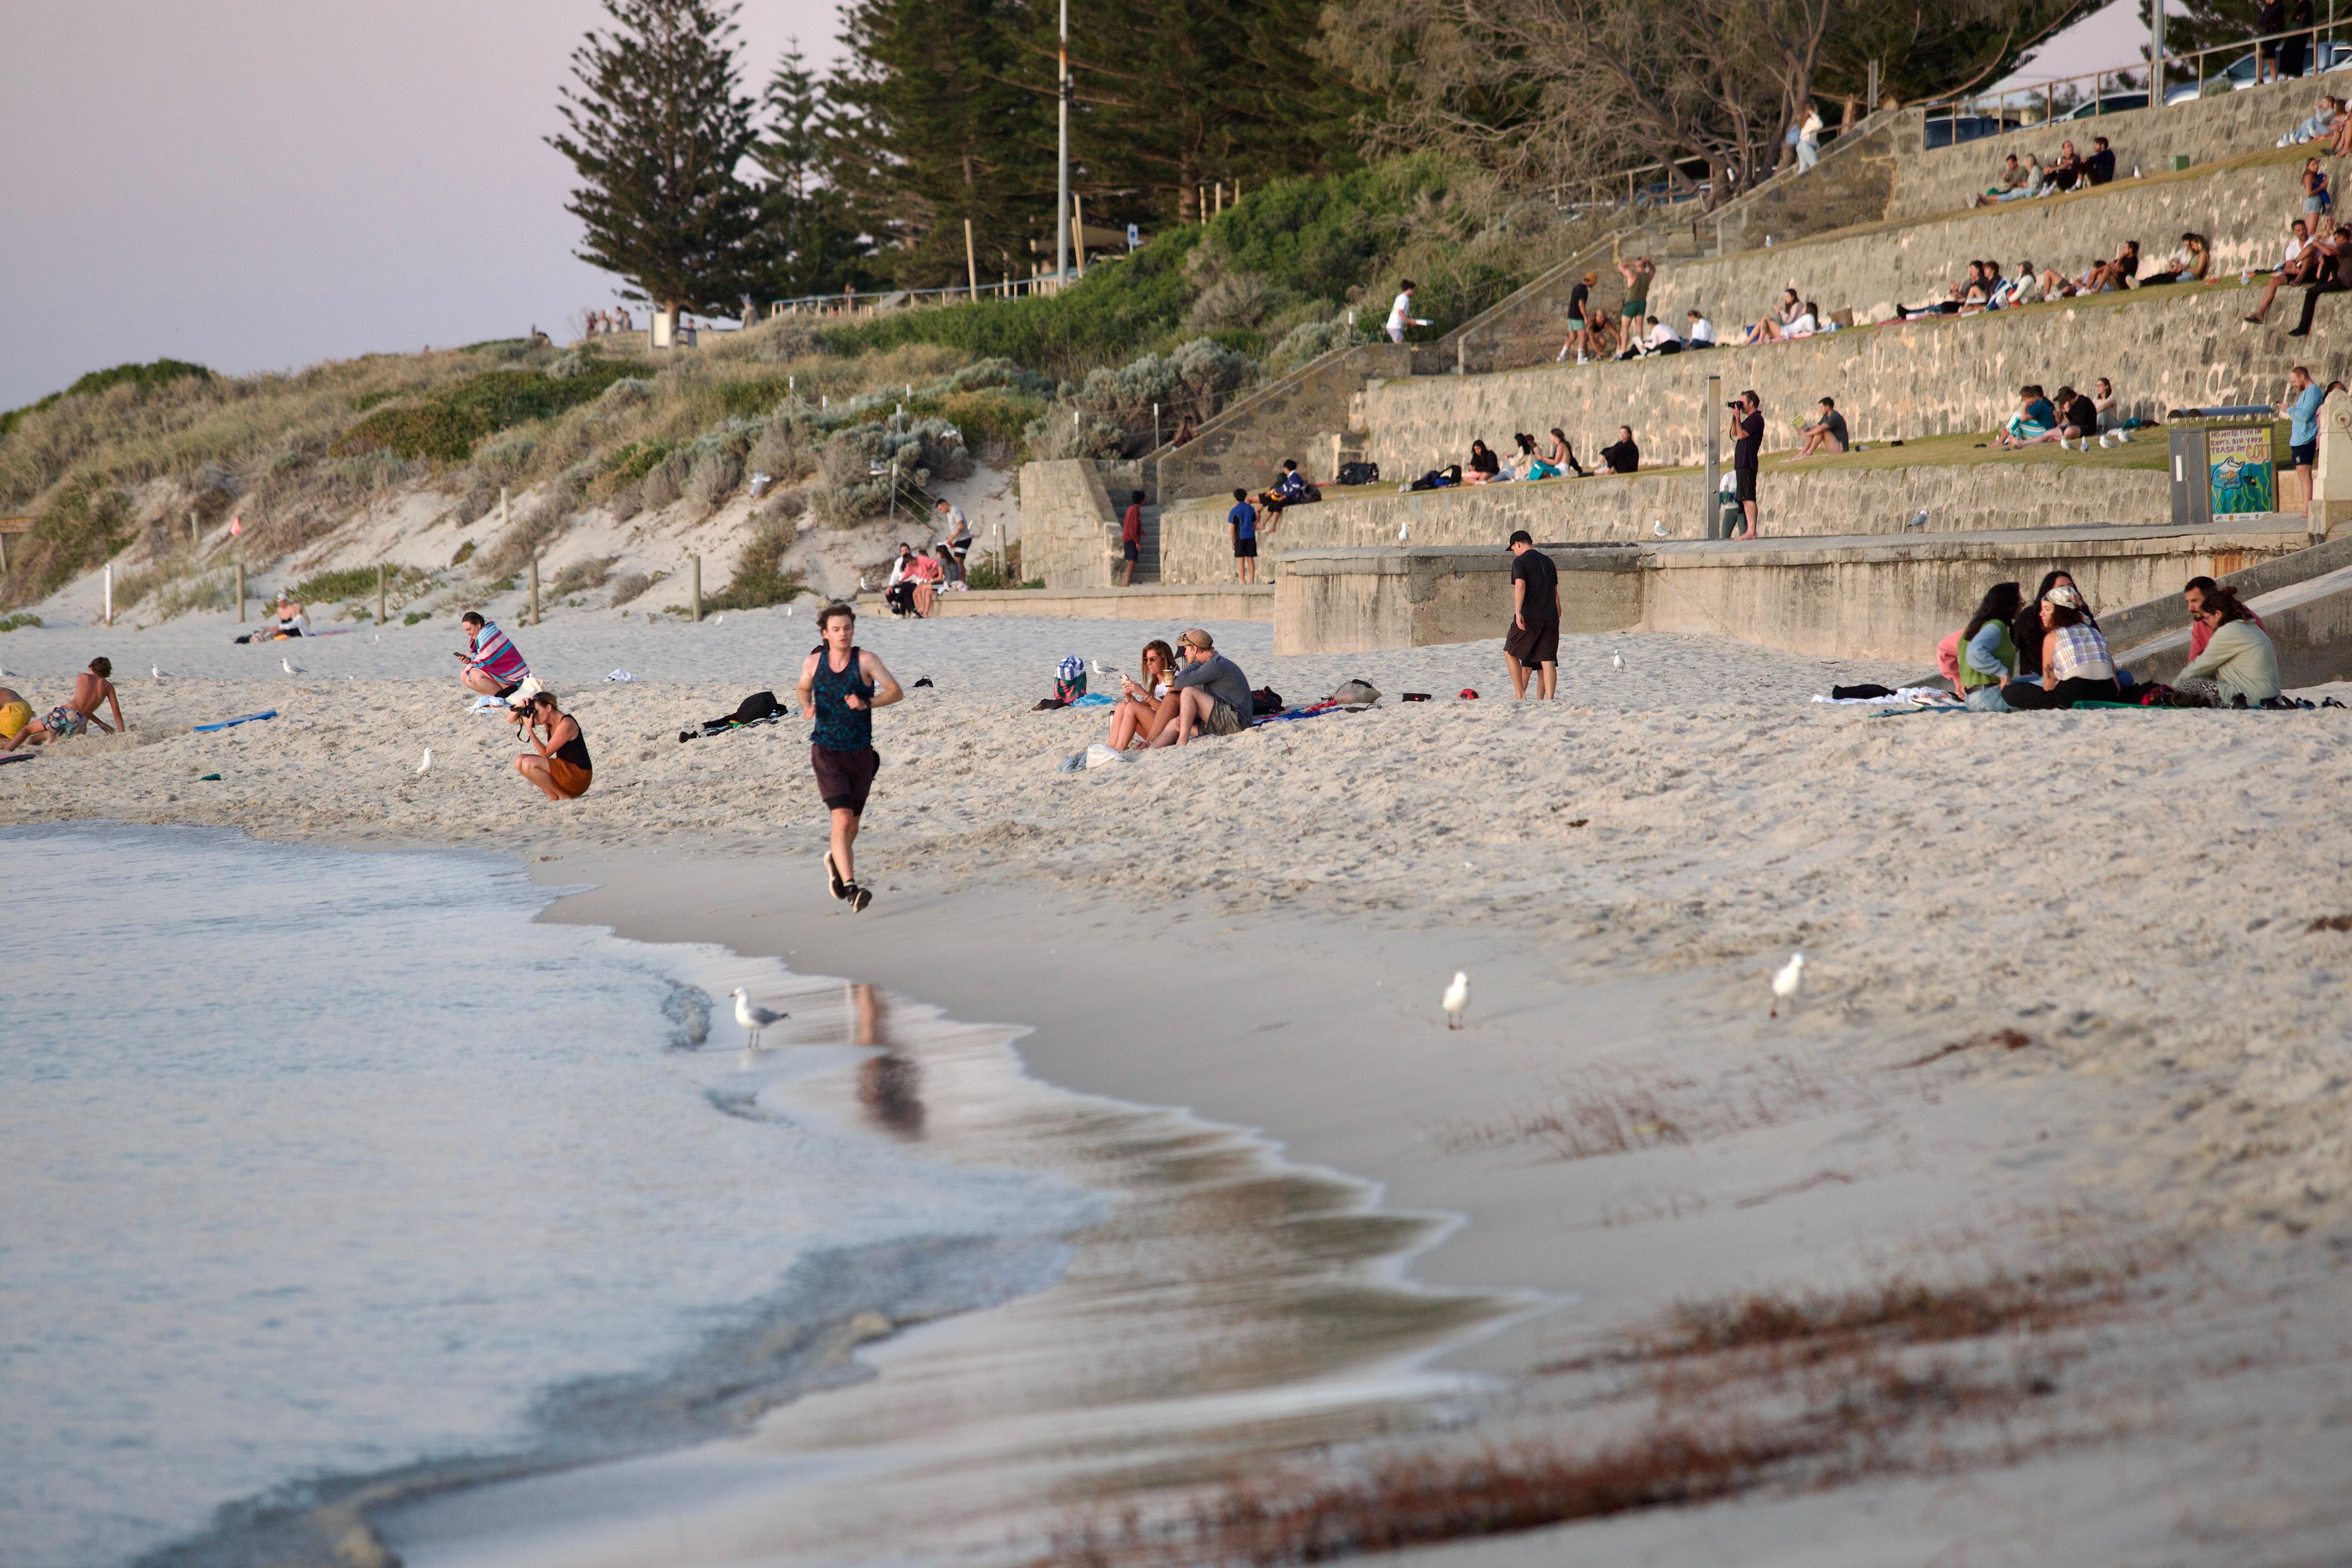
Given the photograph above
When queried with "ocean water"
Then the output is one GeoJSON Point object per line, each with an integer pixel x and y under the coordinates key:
{"type": "Point", "coordinates": [320, 1164]}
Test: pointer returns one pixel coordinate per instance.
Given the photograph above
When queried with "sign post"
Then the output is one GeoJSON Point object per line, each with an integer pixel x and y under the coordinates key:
{"type": "Point", "coordinates": [1712, 499]}
{"type": "Point", "coordinates": [9, 525]}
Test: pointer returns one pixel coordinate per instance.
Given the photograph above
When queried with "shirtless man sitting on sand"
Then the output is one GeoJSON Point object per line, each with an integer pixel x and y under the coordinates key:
{"type": "Point", "coordinates": [73, 717]}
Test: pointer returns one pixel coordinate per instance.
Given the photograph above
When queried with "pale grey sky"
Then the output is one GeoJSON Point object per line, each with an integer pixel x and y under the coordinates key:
{"type": "Point", "coordinates": [260, 184]}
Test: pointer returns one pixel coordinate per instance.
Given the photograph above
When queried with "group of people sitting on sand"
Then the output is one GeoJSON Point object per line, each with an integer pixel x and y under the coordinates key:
{"type": "Point", "coordinates": [93, 689]}
{"type": "Point", "coordinates": [2015, 655]}
{"type": "Point", "coordinates": [1182, 695]}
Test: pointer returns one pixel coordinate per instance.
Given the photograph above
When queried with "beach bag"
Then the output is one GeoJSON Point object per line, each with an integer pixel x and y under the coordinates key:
{"type": "Point", "coordinates": [1357, 693]}
{"type": "Point", "coordinates": [1069, 681]}
{"type": "Point", "coordinates": [1266, 699]}
{"type": "Point", "coordinates": [1358, 474]}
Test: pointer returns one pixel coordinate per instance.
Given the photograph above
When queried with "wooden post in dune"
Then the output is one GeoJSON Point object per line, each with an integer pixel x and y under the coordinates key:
{"type": "Point", "coordinates": [109, 592]}
{"type": "Point", "coordinates": [697, 586]}
{"type": "Point", "coordinates": [534, 590]}
{"type": "Point", "coordinates": [191, 530]}
{"type": "Point", "coordinates": [240, 591]}
{"type": "Point", "coordinates": [970, 260]}
{"type": "Point", "coordinates": [380, 576]}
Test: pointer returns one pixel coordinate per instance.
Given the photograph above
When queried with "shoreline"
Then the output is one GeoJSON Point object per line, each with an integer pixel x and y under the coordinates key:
{"type": "Point", "coordinates": [2074, 1001]}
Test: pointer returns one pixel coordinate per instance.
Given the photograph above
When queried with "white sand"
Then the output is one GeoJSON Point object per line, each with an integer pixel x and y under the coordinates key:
{"type": "Point", "coordinates": [1620, 871]}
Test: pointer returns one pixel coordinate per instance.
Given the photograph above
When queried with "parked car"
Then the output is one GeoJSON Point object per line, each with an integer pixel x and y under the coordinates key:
{"type": "Point", "coordinates": [2110, 103]}
{"type": "Point", "coordinates": [2322, 56]}
{"type": "Point", "coordinates": [1952, 129]}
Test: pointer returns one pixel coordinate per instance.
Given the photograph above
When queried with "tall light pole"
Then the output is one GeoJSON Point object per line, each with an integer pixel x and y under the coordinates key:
{"type": "Point", "coordinates": [1062, 201]}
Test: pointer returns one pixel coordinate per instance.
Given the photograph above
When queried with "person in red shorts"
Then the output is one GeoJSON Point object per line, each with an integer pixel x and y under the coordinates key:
{"type": "Point", "coordinates": [840, 687]}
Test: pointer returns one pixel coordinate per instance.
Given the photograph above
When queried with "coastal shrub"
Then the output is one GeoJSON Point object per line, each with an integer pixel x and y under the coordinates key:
{"type": "Point", "coordinates": [582, 575]}
{"type": "Point", "coordinates": [197, 591]}
{"type": "Point", "coordinates": [347, 583]}
{"type": "Point", "coordinates": [779, 455]}
{"type": "Point", "coordinates": [714, 477]}
{"type": "Point", "coordinates": [18, 621]}
{"type": "Point", "coordinates": [465, 553]}
{"type": "Point", "coordinates": [664, 481]}
{"type": "Point", "coordinates": [445, 426]}
{"type": "Point", "coordinates": [759, 581]}
{"type": "Point", "coordinates": [1312, 339]}
{"type": "Point", "coordinates": [81, 528]}
{"type": "Point", "coordinates": [143, 378]}
{"type": "Point", "coordinates": [628, 586]}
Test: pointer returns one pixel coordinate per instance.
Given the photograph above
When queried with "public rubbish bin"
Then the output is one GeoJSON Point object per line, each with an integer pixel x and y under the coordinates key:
{"type": "Point", "coordinates": [2223, 465]}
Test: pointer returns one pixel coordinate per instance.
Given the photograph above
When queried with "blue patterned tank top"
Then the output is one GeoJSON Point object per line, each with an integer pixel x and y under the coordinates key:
{"type": "Point", "coordinates": [840, 727]}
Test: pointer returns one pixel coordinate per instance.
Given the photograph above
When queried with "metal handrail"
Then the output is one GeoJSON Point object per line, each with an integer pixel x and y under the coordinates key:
{"type": "Point", "coordinates": [2135, 77]}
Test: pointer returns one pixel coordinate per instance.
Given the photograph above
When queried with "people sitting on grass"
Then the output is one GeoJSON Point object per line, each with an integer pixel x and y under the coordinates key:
{"type": "Point", "coordinates": [1621, 455]}
{"type": "Point", "coordinates": [2022, 288]}
{"type": "Point", "coordinates": [2188, 262]}
{"type": "Point", "coordinates": [1661, 339]}
{"type": "Point", "coordinates": [1827, 433]}
{"type": "Point", "coordinates": [1563, 454]}
{"type": "Point", "coordinates": [1774, 325]}
{"type": "Point", "coordinates": [1531, 465]}
{"type": "Point", "coordinates": [1292, 487]}
{"type": "Point", "coordinates": [1987, 653]}
{"type": "Point", "coordinates": [2014, 178]}
{"type": "Point", "coordinates": [2034, 418]}
{"type": "Point", "coordinates": [2100, 166]}
{"type": "Point", "coordinates": [1485, 467]}
{"type": "Point", "coordinates": [1698, 333]}
{"type": "Point", "coordinates": [1437, 479]}
{"type": "Point", "coordinates": [1213, 694]}
{"type": "Point", "coordinates": [558, 762]}
{"type": "Point", "coordinates": [1145, 707]}
{"type": "Point", "coordinates": [2075, 664]}
{"type": "Point", "coordinates": [2078, 418]}
{"type": "Point", "coordinates": [2320, 267]}
{"type": "Point", "coordinates": [494, 666]}
{"type": "Point", "coordinates": [2320, 127]}
{"type": "Point", "coordinates": [2237, 666]}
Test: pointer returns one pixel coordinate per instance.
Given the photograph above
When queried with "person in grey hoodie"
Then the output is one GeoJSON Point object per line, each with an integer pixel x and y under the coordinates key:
{"type": "Point", "coordinates": [1213, 694]}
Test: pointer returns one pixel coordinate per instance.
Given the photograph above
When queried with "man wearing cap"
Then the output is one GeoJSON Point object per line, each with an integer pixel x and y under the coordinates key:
{"type": "Point", "coordinates": [1212, 694]}
{"type": "Point", "coordinates": [1532, 643]}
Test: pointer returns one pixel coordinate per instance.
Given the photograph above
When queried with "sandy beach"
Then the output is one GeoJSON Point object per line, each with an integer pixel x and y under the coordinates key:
{"type": "Point", "coordinates": [2073, 1018]}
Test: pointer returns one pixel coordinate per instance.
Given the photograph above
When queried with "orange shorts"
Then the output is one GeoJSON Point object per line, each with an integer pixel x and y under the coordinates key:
{"type": "Point", "coordinates": [570, 780]}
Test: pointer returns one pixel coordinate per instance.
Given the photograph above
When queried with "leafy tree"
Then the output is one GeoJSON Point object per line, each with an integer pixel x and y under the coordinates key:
{"type": "Point", "coordinates": [808, 240]}
{"type": "Point", "coordinates": [656, 132]}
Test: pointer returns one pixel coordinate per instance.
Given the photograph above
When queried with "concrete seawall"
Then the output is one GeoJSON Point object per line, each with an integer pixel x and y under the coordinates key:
{"type": "Point", "coordinates": [1837, 598]}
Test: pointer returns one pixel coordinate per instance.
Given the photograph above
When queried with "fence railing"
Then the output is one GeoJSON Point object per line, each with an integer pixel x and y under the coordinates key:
{"type": "Point", "coordinates": [1973, 116]}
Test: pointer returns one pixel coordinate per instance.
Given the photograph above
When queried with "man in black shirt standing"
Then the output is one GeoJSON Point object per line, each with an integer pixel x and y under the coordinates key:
{"type": "Point", "coordinates": [1533, 641]}
{"type": "Point", "coordinates": [1745, 451]}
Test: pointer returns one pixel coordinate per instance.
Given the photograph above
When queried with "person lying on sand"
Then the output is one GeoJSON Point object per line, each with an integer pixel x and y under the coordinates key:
{"type": "Point", "coordinates": [558, 764]}
{"type": "Point", "coordinates": [1213, 694]}
{"type": "Point", "coordinates": [16, 718]}
{"type": "Point", "coordinates": [494, 666]}
{"type": "Point", "coordinates": [1145, 707]}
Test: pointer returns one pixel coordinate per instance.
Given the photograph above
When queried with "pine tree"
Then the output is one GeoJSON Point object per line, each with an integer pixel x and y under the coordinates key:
{"type": "Point", "coordinates": [656, 131]}
{"type": "Point", "coordinates": [929, 128]}
{"type": "Point", "coordinates": [808, 240]}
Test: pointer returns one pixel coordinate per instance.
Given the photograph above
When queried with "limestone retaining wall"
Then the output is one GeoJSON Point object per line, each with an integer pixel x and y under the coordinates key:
{"type": "Point", "coordinates": [1069, 532]}
{"type": "Point", "coordinates": [1297, 416]}
{"type": "Point", "coordinates": [2204, 131]}
{"type": "Point", "coordinates": [1938, 375]}
{"type": "Point", "coordinates": [1195, 546]}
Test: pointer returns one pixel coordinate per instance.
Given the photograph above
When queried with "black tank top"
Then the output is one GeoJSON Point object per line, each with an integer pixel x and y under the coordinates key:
{"type": "Point", "coordinates": [575, 750]}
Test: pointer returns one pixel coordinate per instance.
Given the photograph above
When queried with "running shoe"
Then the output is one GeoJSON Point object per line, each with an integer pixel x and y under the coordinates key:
{"type": "Point", "coordinates": [832, 877]}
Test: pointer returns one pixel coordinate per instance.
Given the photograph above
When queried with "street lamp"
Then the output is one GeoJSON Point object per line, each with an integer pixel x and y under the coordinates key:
{"type": "Point", "coordinates": [1062, 201]}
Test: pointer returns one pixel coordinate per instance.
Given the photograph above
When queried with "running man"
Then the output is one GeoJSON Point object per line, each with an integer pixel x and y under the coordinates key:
{"type": "Point", "coordinates": [840, 687]}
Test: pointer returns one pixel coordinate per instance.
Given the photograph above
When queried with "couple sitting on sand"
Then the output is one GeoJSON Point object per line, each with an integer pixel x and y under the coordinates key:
{"type": "Point", "coordinates": [1208, 694]}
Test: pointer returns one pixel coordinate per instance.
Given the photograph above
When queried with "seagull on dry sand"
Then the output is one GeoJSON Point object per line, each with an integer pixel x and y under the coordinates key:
{"type": "Point", "coordinates": [753, 1019]}
{"type": "Point", "coordinates": [1787, 981]}
{"type": "Point", "coordinates": [1457, 1000]}
{"type": "Point", "coordinates": [427, 762]}
{"type": "Point", "coordinates": [1616, 661]}
{"type": "Point", "coordinates": [292, 669]}
{"type": "Point", "coordinates": [158, 671]}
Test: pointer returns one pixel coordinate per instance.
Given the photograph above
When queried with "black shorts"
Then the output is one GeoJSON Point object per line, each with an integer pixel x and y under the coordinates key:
{"type": "Point", "coordinates": [1244, 548]}
{"type": "Point", "coordinates": [1131, 549]}
{"type": "Point", "coordinates": [844, 778]}
{"type": "Point", "coordinates": [1747, 481]}
{"type": "Point", "coordinates": [506, 691]}
{"type": "Point", "coordinates": [1539, 643]}
{"type": "Point", "coordinates": [2305, 456]}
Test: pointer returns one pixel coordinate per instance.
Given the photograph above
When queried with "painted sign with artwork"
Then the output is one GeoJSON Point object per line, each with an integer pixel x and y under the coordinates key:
{"type": "Point", "coordinates": [2245, 475]}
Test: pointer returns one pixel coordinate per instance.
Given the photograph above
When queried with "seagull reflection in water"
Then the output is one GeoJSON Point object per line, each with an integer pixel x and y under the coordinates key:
{"type": "Point", "coordinates": [890, 1086]}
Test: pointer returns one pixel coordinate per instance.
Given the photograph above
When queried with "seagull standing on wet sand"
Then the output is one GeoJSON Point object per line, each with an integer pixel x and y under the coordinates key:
{"type": "Point", "coordinates": [753, 1019]}
{"type": "Point", "coordinates": [427, 762]}
{"type": "Point", "coordinates": [1616, 661]}
{"type": "Point", "coordinates": [1787, 981]}
{"type": "Point", "coordinates": [1457, 1001]}
{"type": "Point", "coordinates": [290, 667]}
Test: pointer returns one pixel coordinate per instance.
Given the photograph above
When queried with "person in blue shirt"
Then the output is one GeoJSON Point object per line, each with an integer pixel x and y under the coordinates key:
{"type": "Point", "coordinates": [1293, 484]}
{"type": "Point", "coordinates": [2304, 396]}
{"type": "Point", "coordinates": [1243, 519]}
